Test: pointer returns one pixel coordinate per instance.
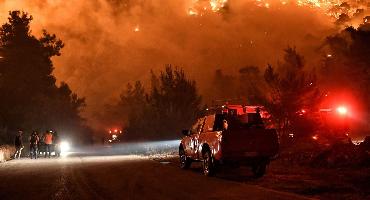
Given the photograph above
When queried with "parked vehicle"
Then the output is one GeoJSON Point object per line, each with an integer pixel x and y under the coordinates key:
{"type": "Point", "coordinates": [234, 135]}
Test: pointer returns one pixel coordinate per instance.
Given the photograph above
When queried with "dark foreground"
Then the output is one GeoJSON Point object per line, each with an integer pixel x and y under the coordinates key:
{"type": "Point", "coordinates": [118, 177]}
{"type": "Point", "coordinates": [321, 183]}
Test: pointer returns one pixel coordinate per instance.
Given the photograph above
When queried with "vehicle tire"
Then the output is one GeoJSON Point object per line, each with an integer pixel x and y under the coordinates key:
{"type": "Point", "coordinates": [259, 169]}
{"type": "Point", "coordinates": [208, 163]}
{"type": "Point", "coordinates": [185, 162]}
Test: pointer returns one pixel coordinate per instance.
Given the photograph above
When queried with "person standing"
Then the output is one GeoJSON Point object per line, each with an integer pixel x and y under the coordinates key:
{"type": "Point", "coordinates": [56, 142]}
{"type": "Point", "coordinates": [18, 144]}
{"type": "Point", "coordinates": [48, 140]}
{"type": "Point", "coordinates": [34, 141]}
{"type": "Point", "coordinates": [41, 145]}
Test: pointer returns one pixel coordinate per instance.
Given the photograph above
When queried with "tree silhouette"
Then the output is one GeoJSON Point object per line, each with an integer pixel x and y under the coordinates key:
{"type": "Point", "coordinates": [30, 97]}
{"type": "Point", "coordinates": [175, 99]}
{"type": "Point", "coordinates": [251, 85]}
{"type": "Point", "coordinates": [223, 86]}
{"type": "Point", "coordinates": [348, 67]}
{"type": "Point", "coordinates": [171, 104]}
{"type": "Point", "coordinates": [291, 89]}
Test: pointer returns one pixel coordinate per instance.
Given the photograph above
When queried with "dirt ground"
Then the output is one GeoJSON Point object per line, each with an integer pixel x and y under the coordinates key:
{"type": "Point", "coordinates": [119, 177]}
{"type": "Point", "coordinates": [347, 183]}
{"type": "Point", "coordinates": [321, 183]}
{"type": "Point", "coordinates": [99, 173]}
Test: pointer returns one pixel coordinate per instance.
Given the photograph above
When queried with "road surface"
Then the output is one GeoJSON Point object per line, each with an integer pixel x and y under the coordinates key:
{"type": "Point", "coordinates": [118, 177]}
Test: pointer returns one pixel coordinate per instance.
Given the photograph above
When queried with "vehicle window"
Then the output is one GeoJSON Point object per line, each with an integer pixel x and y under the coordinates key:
{"type": "Point", "coordinates": [219, 122]}
{"type": "Point", "coordinates": [244, 121]}
{"type": "Point", "coordinates": [209, 122]}
{"type": "Point", "coordinates": [194, 127]}
{"type": "Point", "coordinates": [197, 127]}
{"type": "Point", "coordinates": [234, 121]}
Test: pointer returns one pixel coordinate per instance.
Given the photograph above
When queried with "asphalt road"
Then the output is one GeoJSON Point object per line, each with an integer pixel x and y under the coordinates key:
{"type": "Point", "coordinates": [117, 177]}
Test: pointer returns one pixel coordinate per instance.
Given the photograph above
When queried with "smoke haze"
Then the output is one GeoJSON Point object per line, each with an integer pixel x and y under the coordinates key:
{"type": "Point", "coordinates": [111, 42]}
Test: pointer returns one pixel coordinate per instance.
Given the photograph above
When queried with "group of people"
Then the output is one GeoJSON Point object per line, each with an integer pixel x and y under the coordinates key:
{"type": "Point", "coordinates": [47, 143]}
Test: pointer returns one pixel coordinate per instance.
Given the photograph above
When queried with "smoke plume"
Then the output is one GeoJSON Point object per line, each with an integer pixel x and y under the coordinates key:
{"type": "Point", "coordinates": [112, 42]}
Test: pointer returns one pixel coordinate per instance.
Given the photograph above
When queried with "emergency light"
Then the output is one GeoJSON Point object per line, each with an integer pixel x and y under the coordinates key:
{"type": "Point", "coordinates": [342, 110]}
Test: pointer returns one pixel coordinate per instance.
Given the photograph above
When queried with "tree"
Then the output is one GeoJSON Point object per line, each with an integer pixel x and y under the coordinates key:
{"type": "Point", "coordinates": [30, 98]}
{"type": "Point", "coordinates": [224, 86]}
{"type": "Point", "coordinates": [171, 104]}
{"type": "Point", "coordinates": [133, 104]}
{"type": "Point", "coordinates": [134, 99]}
{"type": "Point", "coordinates": [251, 85]}
{"type": "Point", "coordinates": [291, 89]}
{"type": "Point", "coordinates": [176, 101]}
{"type": "Point", "coordinates": [348, 66]}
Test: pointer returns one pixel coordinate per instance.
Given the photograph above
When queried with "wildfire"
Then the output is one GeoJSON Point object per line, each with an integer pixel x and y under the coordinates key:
{"type": "Point", "coordinates": [217, 5]}
{"type": "Point", "coordinates": [333, 8]}
{"type": "Point", "coordinates": [199, 7]}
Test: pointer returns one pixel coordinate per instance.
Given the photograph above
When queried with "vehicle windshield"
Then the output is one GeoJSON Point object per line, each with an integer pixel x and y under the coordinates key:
{"type": "Point", "coordinates": [231, 122]}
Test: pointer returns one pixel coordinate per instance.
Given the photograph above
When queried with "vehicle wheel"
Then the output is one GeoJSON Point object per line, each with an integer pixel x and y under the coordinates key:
{"type": "Point", "coordinates": [259, 170]}
{"type": "Point", "coordinates": [208, 163]}
{"type": "Point", "coordinates": [185, 162]}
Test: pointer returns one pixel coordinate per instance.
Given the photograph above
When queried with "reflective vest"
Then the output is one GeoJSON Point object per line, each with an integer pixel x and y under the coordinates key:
{"type": "Point", "coordinates": [48, 138]}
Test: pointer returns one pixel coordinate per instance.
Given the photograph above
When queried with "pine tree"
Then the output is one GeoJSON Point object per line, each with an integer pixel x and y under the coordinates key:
{"type": "Point", "coordinates": [291, 89]}
{"type": "Point", "coordinates": [30, 98]}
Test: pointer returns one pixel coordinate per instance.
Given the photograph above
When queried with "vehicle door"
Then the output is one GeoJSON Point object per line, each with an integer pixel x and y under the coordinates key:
{"type": "Point", "coordinates": [194, 136]}
{"type": "Point", "coordinates": [208, 134]}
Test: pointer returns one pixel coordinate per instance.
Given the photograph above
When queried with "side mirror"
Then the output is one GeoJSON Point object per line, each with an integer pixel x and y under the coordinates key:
{"type": "Point", "coordinates": [186, 132]}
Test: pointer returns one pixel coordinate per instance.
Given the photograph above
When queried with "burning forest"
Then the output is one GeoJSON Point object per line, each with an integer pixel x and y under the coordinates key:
{"type": "Point", "coordinates": [278, 86]}
{"type": "Point", "coordinates": [110, 43]}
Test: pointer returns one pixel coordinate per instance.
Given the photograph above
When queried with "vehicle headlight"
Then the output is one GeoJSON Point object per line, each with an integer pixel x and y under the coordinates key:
{"type": "Point", "coordinates": [64, 147]}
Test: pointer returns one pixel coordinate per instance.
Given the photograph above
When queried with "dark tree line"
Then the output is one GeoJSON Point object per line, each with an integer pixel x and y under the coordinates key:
{"type": "Point", "coordinates": [348, 66]}
{"type": "Point", "coordinates": [171, 104]}
{"type": "Point", "coordinates": [30, 98]}
{"type": "Point", "coordinates": [283, 90]}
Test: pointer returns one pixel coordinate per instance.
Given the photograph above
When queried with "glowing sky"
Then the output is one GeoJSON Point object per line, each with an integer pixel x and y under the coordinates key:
{"type": "Point", "coordinates": [112, 42]}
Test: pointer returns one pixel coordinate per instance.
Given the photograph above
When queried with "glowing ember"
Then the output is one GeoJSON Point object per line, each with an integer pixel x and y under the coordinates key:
{"type": "Point", "coordinates": [216, 5]}
{"type": "Point", "coordinates": [199, 7]}
{"type": "Point", "coordinates": [137, 28]}
{"type": "Point", "coordinates": [192, 12]}
{"type": "Point", "coordinates": [315, 137]}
